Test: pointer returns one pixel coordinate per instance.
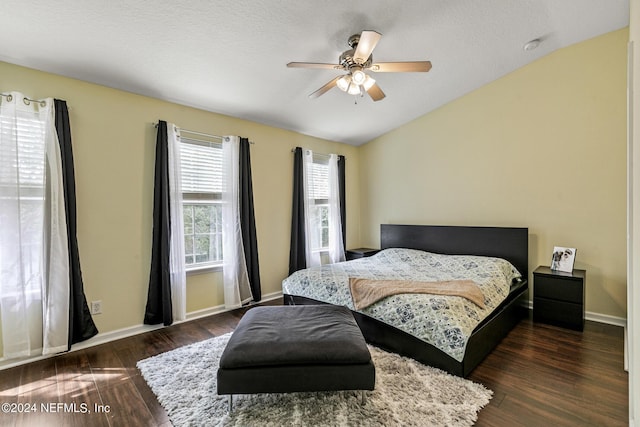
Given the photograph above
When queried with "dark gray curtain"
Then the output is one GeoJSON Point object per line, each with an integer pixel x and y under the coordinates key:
{"type": "Point", "coordinates": [342, 197]}
{"type": "Point", "coordinates": [248, 220]}
{"type": "Point", "coordinates": [297, 259]}
{"type": "Point", "coordinates": [81, 325]}
{"type": "Point", "coordinates": [159, 309]}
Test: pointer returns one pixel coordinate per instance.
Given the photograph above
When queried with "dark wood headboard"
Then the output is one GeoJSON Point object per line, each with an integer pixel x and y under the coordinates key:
{"type": "Point", "coordinates": [510, 243]}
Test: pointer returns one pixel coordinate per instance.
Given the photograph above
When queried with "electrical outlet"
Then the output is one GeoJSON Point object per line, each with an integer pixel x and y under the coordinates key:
{"type": "Point", "coordinates": [96, 307]}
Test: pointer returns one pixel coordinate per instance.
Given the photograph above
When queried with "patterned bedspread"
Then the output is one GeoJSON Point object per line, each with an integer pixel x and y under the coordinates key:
{"type": "Point", "coordinates": [446, 322]}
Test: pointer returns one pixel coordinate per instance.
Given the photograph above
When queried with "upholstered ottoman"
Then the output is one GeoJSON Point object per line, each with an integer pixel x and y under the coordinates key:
{"type": "Point", "coordinates": [283, 349]}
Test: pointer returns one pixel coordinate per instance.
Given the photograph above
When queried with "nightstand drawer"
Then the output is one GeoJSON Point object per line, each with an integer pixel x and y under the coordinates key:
{"type": "Point", "coordinates": [559, 288]}
{"type": "Point", "coordinates": [565, 314]}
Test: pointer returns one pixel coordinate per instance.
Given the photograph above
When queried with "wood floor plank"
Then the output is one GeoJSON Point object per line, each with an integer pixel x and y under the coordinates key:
{"type": "Point", "coordinates": [74, 375]}
{"type": "Point", "coordinates": [106, 366]}
{"type": "Point", "coordinates": [9, 392]}
{"type": "Point", "coordinates": [156, 410]}
{"type": "Point", "coordinates": [38, 386]}
{"type": "Point", "coordinates": [126, 407]}
{"type": "Point", "coordinates": [81, 411]}
{"type": "Point", "coordinates": [186, 333]}
{"type": "Point", "coordinates": [39, 380]}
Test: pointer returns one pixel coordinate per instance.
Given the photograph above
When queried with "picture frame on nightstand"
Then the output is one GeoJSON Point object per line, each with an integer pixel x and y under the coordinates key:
{"type": "Point", "coordinates": [563, 259]}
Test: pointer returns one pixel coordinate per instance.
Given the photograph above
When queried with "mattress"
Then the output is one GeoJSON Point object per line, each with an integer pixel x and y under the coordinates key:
{"type": "Point", "coordinates": [445, 322]}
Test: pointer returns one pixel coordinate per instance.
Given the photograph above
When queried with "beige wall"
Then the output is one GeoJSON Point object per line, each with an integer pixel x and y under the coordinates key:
{"type": "Point", "coordinates": [114, 141]}
{"type": "Point", "coordinates": [543, 147]}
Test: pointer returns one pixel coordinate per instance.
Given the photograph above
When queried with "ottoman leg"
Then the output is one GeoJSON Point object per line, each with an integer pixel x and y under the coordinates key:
{"type": "Point", "coordinates": [230, 400]}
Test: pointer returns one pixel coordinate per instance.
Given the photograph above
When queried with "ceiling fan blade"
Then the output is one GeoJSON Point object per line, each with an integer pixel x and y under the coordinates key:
{"type": "Point", "coordinates": [401, 67]}
{"type": "Point", "coordinates": [368, 41]}
{"type": "Point", "coordinates": [324, 89]}
{"type": "Point", "coordinates": [375, 92]}
{"type": "Point", "coordinates": [315, 65]}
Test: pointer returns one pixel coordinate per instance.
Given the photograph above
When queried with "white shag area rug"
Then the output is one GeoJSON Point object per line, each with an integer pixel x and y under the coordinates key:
{"type": "Point", "coordinates": [407, 393]}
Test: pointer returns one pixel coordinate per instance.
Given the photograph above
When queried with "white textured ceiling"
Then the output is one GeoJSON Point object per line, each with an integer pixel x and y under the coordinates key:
{"type": "Point", "coordinates": [230, 56]}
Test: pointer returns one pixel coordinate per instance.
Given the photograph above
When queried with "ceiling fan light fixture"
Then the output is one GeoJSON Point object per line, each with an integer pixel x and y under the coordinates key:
{"type": "Point", "coordinates": [347, 84]}
{"type": "Point", "coordinates": [358, 77]}
{"type": "Point", "coordinates": [344, 82]}
{"type": "Point", "coordinates": [354, 89]}
{"type": "Point", "coordinates": [368, 82]}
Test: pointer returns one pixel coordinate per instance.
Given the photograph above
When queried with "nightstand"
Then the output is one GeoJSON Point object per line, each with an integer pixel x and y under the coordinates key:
{"type": "Point", "coordinates": [351, 254]}
{"type": "Point", "coordinates": [558, 297]}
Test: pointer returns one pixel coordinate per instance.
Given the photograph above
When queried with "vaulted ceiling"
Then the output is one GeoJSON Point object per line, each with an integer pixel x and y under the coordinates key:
{"type": "Point", "coordinates": [230, 56]}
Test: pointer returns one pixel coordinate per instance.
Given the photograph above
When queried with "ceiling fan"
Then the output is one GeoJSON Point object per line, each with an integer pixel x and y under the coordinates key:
{"type": "Point", "coordinates": [355, 61]}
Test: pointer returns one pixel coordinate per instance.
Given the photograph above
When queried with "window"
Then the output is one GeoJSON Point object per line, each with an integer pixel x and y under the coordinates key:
{"type": "Point", "coordinates": [319, 200]}
{"type": "Point", "coordinates": [202, 184]}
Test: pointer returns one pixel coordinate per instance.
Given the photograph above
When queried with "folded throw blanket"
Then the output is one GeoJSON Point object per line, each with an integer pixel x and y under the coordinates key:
{"type": "Point", "coordinates": [365, 292]}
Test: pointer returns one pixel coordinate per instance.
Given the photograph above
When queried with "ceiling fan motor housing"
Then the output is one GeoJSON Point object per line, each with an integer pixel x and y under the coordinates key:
{"type": "Point", "coordinates": [347, 61]}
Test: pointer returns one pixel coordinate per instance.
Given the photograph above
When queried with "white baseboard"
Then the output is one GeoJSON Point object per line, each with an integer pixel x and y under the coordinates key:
{"type": "Point", "coordinates": [105, 337]}
{"type": "Point", "coordinates": [220, 308]}
{"type": "Point", "coordinates": [605, 318]}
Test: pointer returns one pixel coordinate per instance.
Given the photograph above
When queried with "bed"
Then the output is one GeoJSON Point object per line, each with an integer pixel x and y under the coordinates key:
{"type": "Point", "coordinates": [421, 247]}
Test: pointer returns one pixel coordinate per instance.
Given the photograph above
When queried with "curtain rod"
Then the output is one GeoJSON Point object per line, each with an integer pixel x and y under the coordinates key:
{"type": "Point", "coordinates": [25, 99]}
{"type": "Point", "coordinates": [293, 150]}
{"type": "Point", "coordinates": [201, 133]}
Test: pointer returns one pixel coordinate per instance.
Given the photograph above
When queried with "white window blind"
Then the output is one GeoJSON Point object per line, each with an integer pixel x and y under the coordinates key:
{"type": "Point", "coordinates": [319, 188]}
{"type": "Point", "coordinates": [201, 166]}
{"type": "Point", "coordinates": [23, 162]}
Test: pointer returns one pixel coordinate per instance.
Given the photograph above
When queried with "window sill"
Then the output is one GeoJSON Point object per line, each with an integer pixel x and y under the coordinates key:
{"type": "Point", "coordinates": [205, 269]}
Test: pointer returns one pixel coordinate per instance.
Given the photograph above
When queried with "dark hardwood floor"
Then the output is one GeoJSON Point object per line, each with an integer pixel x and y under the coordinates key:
{"type": "Point", "coordinates": [541, 376]}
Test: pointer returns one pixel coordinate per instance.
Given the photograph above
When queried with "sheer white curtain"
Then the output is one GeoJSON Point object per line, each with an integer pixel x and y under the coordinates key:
{"type": "Point", "coordinates": [177, 271]}
{"type": "Point", "coordinates": [34, 258]}
{"type": "Point", "coordinates": [336, 247]}
{"type": "Point", "coordinates": [311, 219]}
{"type": "Point", "coordinates": [237, 290]}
